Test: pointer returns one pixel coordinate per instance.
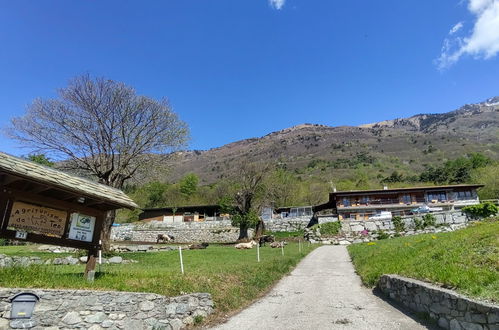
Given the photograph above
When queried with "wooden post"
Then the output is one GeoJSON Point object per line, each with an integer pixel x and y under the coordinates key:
{"type": "Point", "coordinates": [91, 261]}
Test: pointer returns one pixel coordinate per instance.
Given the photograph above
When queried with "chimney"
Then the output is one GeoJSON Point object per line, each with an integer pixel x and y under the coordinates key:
{"type": "Point", "coordinates": [334, 189]}
{"type": "Point", "coordinates": [385, 187]}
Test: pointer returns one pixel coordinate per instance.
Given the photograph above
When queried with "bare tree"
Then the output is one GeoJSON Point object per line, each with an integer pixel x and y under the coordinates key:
{"type": "Point", "coordinates": [250, 190]}
{"type": "Point", "coordinates": [100, 127]}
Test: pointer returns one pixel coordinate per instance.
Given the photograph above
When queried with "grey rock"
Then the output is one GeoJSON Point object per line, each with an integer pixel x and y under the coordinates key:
{"type": "Point", "coordinates": [4, 323]}
{"type": "Point", "coordinates": [95, 327]}
{"type": "Point", "coordinates": [182, 309]}
{"type": "Point", "coordinates": [71, 318]}
{"type": "Point", "coordinates": [98, 317]}
{"type": "Point", "coordinates": [84, 259]}
{"type": "Point", "coordinates": [471, 326]}
{"type": "Point", "coordinates": [72, 261]}
{"type": "Point", "coordinates": [176, 324]}
{"type": "Point", "coordinates": [134, 325]}
{"type": "Point", "coordinates": [107, 323]}
{"type": "Point", "coordinates": [23, 324]}
{"type": "Point", "coordinates": [454, 325]}
{"type": "Point", "coordinates": [115, 260]}
{"type": "Point", "coordinates": [493, 317]}
{"type": "Point", "coordinates": [146, 306]}
{"type": "Point", "coordinates": [443, 323]}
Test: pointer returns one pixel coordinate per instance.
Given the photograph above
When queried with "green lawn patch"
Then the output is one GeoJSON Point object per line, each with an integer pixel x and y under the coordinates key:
{"type": "Point", "coordinates": [466, 260]}
{"type": "Point", "coordinates": [279, 235]}
{"type": "Point", "coordinates": [233, 277]}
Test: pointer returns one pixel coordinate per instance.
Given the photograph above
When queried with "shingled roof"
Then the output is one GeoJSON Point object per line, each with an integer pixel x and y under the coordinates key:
{"type": "Point", "coordinates": [42, 174]}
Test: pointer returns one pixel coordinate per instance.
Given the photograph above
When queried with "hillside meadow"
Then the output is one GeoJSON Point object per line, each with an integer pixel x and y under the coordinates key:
{"type": "Point", "coordinates": [233, 277]}
{"type": "Point", "coordinates": [466, 260]}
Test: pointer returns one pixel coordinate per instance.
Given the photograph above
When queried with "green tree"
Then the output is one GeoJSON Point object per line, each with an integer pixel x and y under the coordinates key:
{"type": "Point", "coordinates": [489, 176]}
{"type": "Point", "coordinates": [189, 184]}
{"type": "Point", "coordinates": [41, 159]}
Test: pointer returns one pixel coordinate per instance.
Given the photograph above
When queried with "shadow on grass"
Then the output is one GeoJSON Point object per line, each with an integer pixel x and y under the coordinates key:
{"type": "Point", "coordinates": [422, 318]}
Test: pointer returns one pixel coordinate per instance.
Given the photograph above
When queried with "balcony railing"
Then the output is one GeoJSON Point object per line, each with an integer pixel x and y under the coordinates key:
{"type": "Point", "coordinates": [385, 201]}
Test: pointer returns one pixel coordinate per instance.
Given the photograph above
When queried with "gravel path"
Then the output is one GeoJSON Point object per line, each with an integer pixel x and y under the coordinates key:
{"type": "Point", "coordinates": [323, 292]}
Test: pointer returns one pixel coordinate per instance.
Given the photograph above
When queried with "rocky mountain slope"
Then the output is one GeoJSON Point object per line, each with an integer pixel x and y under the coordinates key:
{"type": "Point", "coordinates": [406, 143]}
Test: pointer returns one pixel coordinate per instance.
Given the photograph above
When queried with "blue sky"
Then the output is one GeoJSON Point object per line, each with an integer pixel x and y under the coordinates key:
{"type": "Point", "coordinates": [235, 69]}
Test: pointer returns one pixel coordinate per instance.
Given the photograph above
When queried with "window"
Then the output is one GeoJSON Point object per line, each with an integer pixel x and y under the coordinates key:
{"type": "Point", "coordinates": [364, 200]}
{"type": "Point", "coordinates": [406, 199]}
{"type": "Point", "coordinates": [437, 196]}
{"type": "Point", "coordinates": [464, 194]}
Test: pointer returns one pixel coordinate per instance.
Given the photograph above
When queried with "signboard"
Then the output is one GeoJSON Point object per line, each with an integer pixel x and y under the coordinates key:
{"type": "Point", "coordinates": [82, 227]}
{"type": "Point", "coordinates": [41, 219]}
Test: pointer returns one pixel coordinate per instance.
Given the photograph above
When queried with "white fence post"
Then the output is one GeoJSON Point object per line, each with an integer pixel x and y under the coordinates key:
{"type": "Point", "coordinates": [181, 261]}
{"type": "Point", "coordinates": [258, 252]}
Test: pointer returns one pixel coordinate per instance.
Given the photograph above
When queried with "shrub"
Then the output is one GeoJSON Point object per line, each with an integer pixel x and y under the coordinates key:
{"type": "Point", "coordinates": [330, 228]}
{"type": "Point", "coordinates": [198, 319]}
{"type": "Point", "coordinates": [429, 220]}
{"type": "Point", "coordinates": [482, 210]}
{"type": "Point", "coordinates": [418, 223]}
{"type": "Point", "coordinates": [382, 235]}
{"type": "Point", "coordinates": [3, 242]}
{"type": "Point", "coordinates": [398, 223]}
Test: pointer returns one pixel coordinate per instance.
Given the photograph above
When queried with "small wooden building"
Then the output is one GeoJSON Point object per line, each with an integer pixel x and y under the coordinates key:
{"type": "Point", "coordinates": [197, 213]}
{"type": "Point", "coordinates": [43, 205]}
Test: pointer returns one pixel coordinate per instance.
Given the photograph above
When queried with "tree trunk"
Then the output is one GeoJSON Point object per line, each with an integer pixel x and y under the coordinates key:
{"type": "Point", "coordinates": [260, 229]}
{"type": "Point", "coordinates": [105, 235]}
{"type": "Point", "coordinates": [243, 231]}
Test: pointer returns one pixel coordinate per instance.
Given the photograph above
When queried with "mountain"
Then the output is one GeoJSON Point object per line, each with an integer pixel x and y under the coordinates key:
{"type": "Point", "coordinates": [405, 144]}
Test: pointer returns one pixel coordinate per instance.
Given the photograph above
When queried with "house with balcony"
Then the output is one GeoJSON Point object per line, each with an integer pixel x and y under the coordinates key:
{"type": "Point", "coordinates": [363, 204]}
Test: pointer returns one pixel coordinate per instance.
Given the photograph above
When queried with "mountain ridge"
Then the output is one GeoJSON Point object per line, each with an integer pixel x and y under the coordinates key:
{"type": "Point", "coordinates": [405, 143]}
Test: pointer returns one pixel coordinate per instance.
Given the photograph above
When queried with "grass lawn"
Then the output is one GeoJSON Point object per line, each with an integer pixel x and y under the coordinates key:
{"type": "Point", "coordinates": [233, 277]}
{"type": "Point", "coordinates": [466, 260]}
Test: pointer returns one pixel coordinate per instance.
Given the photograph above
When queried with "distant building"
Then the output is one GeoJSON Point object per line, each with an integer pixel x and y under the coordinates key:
{"type": "Point", "coordinates": [294, 211]}
{"type": "Point", "coordinates": [182, 214]}
{"type": "Point", "coordinates": [364, 204]}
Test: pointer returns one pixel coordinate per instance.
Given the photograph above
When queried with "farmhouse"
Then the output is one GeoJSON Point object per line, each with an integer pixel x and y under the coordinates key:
{"type": "Point", "coordinates": [179, 214]}
{"type": "Point", "coordinates": [363, 204]}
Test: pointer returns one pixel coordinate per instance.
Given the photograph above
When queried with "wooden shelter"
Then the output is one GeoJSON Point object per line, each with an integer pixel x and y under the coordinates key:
{"type": "Point", "coordinates": [43, 205]}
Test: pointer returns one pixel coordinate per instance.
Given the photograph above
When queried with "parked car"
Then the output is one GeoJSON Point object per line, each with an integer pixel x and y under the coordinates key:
{"type": "Point", "coordinates": [383, 215]}
{"type": "Point", "coordinates": [425, 209]}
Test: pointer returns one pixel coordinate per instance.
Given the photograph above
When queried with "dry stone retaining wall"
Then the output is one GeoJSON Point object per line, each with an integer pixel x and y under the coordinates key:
{"type": "Point", "coordinates": [71, 309]}
{"type": "Point", "coordinates": [188, 232]}
{"type": "Point", "coordinates": [357, 231]}
{"type": "Point", "coordinates": [449, 309]}
{"type": "Point", "coordinates": [220, 231]}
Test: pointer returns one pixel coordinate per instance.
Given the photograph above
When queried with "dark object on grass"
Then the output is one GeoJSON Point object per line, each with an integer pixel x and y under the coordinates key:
{"type": "Point", "coordinates": [278, 244]}
{"type": "Point", "coordinates": [203, 245]}
{"type": "Point", "coordinates": [265, 239]}
{"type": "Point", "coordinates": [164, 238]}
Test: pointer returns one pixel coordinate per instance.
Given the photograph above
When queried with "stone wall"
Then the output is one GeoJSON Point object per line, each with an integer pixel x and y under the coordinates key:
{"type": "Point", "coordinates": [287, 224]}
{"type": "Point", "coordinates": [188, 232]}
{"type": "Point", "coordinates": [93, 310]}
{"type": "Point", "coordinates": [357, 231]}
{"type": "Point", "coordinates": [443, 218]}
{"type": "Point", "coordinates": [449, 309]}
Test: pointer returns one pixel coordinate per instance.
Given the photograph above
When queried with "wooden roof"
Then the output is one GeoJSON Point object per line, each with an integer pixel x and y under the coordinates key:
{"type": "Point", "coordinates": [50, 178]}
{"type": "Point", "coordinates": [407, 189]}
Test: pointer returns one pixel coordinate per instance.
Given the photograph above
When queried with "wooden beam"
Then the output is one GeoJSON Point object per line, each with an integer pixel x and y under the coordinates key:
{"type": "Point", "coordinates": [39, 189]}
{"type": "Point", "coordinates": [8, 179]}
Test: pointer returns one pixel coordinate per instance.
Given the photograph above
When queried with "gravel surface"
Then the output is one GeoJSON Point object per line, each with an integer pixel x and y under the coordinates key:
{"type": "Point", "coordinates": [322, 292]}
